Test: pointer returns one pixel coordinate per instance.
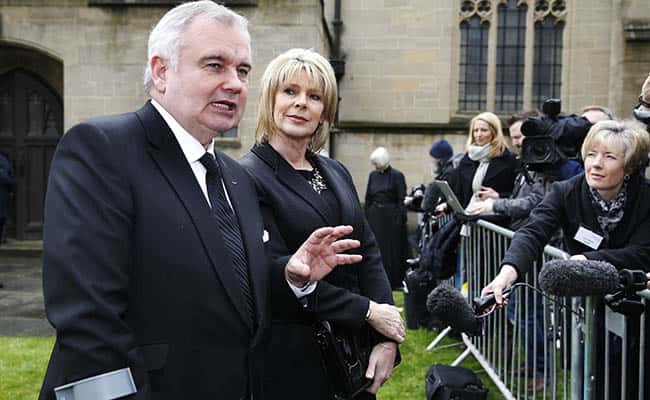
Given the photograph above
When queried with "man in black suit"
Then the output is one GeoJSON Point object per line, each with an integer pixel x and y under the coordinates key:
{"type": "Point", "coordinates": [152, 295]}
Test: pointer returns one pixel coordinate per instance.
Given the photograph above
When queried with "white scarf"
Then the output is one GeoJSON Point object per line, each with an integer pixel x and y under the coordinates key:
{"type": "Point", "coordinates": [480, 154]}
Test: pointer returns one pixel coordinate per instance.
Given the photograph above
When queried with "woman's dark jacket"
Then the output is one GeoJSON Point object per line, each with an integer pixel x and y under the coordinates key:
{"type": "Point", "coordinates": [568, 206]}
{"type": "Point", "coordinates": [500, 176]}
{"type": "Point", "coordinates": [292, 210]}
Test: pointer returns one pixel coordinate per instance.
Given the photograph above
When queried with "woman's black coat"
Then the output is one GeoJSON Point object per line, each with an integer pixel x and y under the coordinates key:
{"type": "Point", "coordinates": [386, 216]}
{"type": "Point", "coordinates": [500, 176]}
{"type": "Point", "coordinates": [292, 210]}
{"type": "Point", "coordinates": [568, 206]}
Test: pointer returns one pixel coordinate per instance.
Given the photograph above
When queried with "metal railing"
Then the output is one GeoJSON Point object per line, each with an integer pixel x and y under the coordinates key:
{"type": "Point", "coordinates": [546, 347]}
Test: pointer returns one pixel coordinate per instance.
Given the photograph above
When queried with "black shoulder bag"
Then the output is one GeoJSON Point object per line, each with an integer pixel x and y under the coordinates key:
{"type": "Point", "coordinates": [345, 353]}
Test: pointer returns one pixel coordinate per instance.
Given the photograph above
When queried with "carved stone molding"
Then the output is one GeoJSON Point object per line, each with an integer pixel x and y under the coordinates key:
{"type": "Point", "coordinates": [480, 8]}
{"type": "Point", "coordinates": [554, 8]}
{"type": "Point", "coordinates": [486, 8]}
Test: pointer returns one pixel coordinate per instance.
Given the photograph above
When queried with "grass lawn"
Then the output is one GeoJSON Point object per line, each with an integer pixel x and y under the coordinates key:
{"type": "Point", "coordinates": [22, 366]}
{"type": "Point", "coordinates": [23, 362]}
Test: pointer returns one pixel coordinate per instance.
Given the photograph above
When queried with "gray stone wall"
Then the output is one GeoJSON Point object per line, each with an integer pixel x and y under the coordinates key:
{"type": "Point", "coordinates": [401, 64]}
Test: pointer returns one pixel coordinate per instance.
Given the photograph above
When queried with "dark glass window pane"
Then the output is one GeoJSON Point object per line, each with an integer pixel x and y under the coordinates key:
{"type": "Point", "coordinates": [511, 46]}
{"type": "Point", "coordinates": [472, 85]}
{"type": "Point", "coordinates": [547, 67]}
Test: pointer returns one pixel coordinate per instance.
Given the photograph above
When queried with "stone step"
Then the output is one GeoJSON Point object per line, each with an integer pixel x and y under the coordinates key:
{"type": "Point", "coordinates": [21, 248]}
{"type": "Point", "coordinates": [20, 326]}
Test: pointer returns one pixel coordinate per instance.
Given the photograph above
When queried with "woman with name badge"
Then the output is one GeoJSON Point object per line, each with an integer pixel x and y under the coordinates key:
{"type": "Point", "coordinates": [604, 213]}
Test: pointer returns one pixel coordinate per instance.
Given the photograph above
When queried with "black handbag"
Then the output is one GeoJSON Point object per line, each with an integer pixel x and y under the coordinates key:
{"type": "Point", "coordinates": [345, 353]}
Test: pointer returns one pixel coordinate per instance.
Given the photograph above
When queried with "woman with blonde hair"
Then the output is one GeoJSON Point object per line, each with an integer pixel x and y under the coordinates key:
{"type": "Point", "coordinates": [298, 190]}
{"type": "Point", "coordinates": [488, 168]}
{"type": "Point", "coordinates": [603, 213]}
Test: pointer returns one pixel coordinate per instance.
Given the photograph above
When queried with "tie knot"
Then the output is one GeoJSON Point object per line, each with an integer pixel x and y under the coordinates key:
{"type": "Point", "coordinates": [210, 163]}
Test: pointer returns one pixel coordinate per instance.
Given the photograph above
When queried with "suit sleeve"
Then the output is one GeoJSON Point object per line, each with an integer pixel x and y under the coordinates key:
{"type": "Point", "coordinates": [529, 241]}
{"type": "Point", "coordinates": [87, 257]}
{"type": "Point", "coordinates": [520, 207]}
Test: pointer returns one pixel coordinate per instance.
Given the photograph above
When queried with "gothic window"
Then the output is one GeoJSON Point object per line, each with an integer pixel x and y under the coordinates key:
{"type": "Point", "coordinates": [510, 53]}
{"type": "Point", "coordinates": [547, 66]}
{"type": "Point", "coordinates": [473, 64]}
{"type": "Point", "coordinates": [511, 46]}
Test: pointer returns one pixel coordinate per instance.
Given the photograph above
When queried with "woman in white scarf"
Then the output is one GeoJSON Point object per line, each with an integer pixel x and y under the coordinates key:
{"type": "Point", "coordinates": [488, 166]}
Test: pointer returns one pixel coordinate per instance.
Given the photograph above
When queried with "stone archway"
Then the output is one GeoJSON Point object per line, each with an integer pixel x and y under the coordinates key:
{"type": "Point", "coordinates": [31, 124]}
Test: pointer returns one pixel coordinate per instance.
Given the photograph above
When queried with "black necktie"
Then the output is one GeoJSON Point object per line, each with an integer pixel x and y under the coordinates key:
{"type": "Point", "coordinates": [227, 222]}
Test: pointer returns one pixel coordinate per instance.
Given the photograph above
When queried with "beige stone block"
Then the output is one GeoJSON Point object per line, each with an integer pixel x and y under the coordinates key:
{"type": "Point", "coordinates": [83, 107]}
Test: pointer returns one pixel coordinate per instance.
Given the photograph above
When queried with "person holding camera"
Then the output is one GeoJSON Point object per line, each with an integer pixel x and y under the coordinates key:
{"type": "Point", "coordinates": [487, 164]}
{"type": "Point", "coordinates": [299, 190]}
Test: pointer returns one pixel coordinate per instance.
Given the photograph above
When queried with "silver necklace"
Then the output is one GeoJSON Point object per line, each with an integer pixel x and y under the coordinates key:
{"type": "Point", "coordinates": [317, 182]}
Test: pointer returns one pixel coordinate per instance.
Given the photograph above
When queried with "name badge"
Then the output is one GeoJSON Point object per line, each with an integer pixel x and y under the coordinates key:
{"type": "Point", "coordinates": [588, 238]}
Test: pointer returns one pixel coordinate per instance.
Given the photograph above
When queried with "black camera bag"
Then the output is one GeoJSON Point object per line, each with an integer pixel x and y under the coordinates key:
{"type": "Point", "coordinates": [444, 382]}
{"type": "Point", "coordinates": [419, 283]}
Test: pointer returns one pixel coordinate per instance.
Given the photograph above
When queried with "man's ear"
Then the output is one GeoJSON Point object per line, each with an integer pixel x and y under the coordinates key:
{"type": "Point", "coordinates": [159, 68]}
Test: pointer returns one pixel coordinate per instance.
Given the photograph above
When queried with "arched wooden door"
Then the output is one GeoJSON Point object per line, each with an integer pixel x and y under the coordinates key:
{"type": "Point", "coordinates": [31, 124]}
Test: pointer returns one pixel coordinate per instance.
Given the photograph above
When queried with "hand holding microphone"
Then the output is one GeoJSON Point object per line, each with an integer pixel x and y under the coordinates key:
{"type": "Point", "coordinates": [506, 277]}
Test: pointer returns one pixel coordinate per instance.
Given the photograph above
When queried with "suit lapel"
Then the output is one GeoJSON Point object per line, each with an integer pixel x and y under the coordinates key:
{"type": "Point", "coordinates": [337, 183]}
{"type": "Point", "coordinates": [292, 179]}
{"type": "Point", "coordinates": [169, 157]}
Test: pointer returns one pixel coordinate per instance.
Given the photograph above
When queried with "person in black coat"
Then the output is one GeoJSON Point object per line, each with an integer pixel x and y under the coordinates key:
{"type": "Point", "coordinates": [298, 191]}
{"type": "Point", "coordinates": [487, 164]}
{"type": "Point", "coordinates": [386, 214]}
{"type": "Point", "coordinates": [610, 201]}
{"type": "Point", "coordinates": [604, 213]}
{"type": "Point", "coordinates": [138, 279]}
{"type": "Point", "coordinates": [7, 182]}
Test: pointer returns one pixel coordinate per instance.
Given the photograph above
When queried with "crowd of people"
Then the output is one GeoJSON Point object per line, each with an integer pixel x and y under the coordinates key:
{"type": "Point", "coordinates": [170, 265]}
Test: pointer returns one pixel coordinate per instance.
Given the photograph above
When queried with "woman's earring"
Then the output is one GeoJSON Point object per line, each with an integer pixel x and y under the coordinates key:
{"type": "Point", "coordinates": [626, 177]}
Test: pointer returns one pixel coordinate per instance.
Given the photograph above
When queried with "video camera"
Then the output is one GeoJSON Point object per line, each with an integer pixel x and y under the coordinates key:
{"type": "Point", "coordinates": [552, 138]}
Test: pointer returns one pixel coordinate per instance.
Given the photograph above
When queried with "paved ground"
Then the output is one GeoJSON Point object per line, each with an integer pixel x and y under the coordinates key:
{"type": "Point", "coordinates": [21, 299]}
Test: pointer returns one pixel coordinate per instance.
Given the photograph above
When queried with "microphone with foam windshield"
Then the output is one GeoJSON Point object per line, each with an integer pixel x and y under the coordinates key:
{"type": "Point", "coordinates": [450, 307]}
{"type": "Point", "coordinates": [589, 278]}
{"type": "Point", "coordinates": [579, 278]}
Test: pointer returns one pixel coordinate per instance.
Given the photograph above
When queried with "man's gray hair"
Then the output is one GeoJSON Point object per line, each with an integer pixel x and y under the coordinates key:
{"type": "Point", "coordinates": [165, 39]}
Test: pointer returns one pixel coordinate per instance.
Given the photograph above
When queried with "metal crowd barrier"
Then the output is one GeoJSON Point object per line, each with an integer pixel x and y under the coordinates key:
{"type": "Point", "coordinates": [545, 347]}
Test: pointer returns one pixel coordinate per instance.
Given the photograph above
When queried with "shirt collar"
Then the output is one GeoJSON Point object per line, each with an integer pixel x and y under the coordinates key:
{"type": "Point", "coordinates": [192, 148]}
